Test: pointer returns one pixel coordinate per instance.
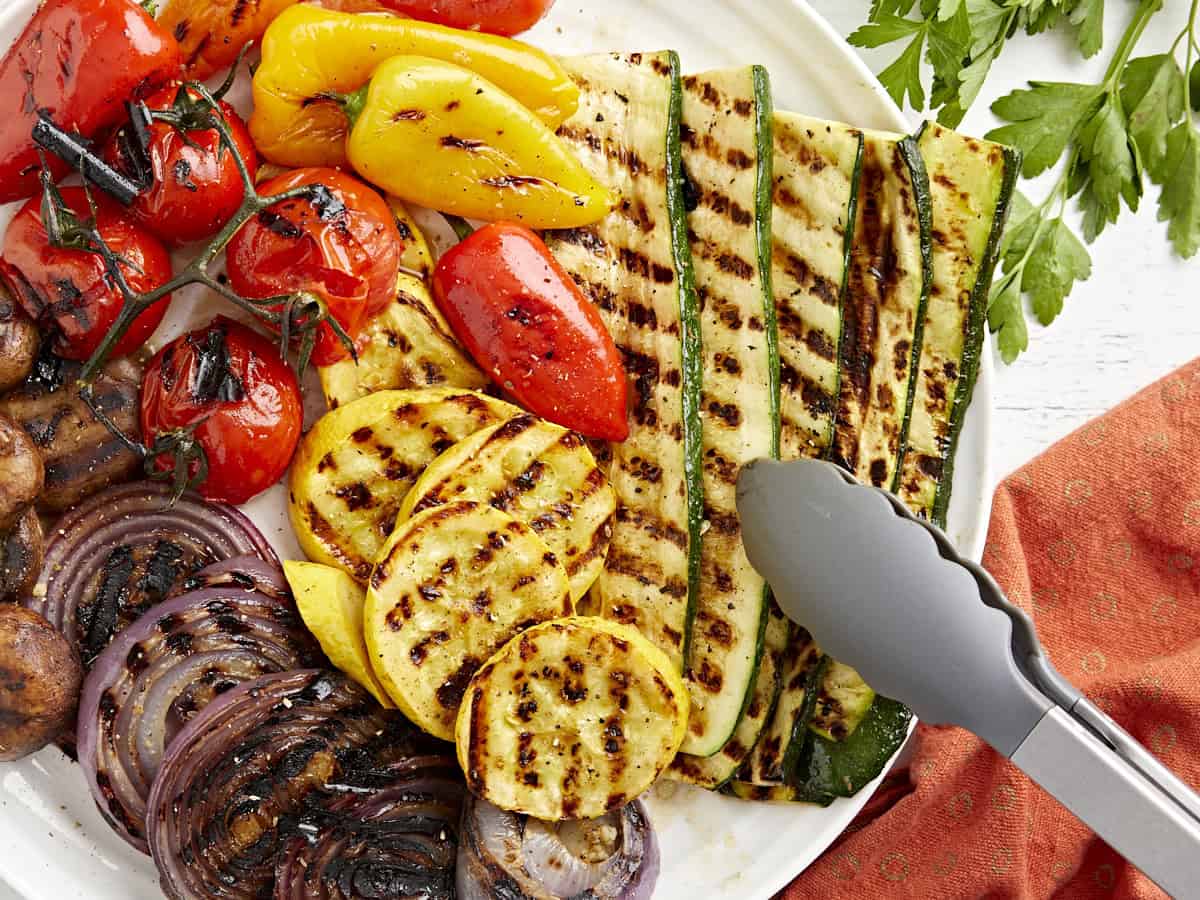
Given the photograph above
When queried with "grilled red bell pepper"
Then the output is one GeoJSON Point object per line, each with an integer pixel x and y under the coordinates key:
{"type": "Point", "coordinates": [532, 330]}
{"type": "Point", "coordinates": [78, 61]}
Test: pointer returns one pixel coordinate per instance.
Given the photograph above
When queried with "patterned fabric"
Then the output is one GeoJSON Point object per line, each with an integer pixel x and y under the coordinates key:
{"type": "Point", "coordinates": [1099, 540]}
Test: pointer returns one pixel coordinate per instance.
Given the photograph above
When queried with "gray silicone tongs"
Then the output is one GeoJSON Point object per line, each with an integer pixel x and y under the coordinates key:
{"type": "Point", "coordinates": [888, 594]}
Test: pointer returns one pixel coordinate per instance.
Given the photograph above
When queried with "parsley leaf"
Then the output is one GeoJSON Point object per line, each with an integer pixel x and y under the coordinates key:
{"type": "Point", "coordinates": [1088, 16]}
{"type": "Point", "coordinates": [884, 30]}
{"type": "Point", "coordinates": [947, 9]}
{"type": "Point", "coordinates": [1113, 168]}
{"type": "Point", "coordinates": [1043, 120]}
{"type": "Point", "coordinates": [1179, 202]}
{"type": "Point", "coordinates": [1152, 94]}
{"type": "Point", "coordinates": [1058, 260]}
{"type": "Point", "coordinates": [948, 45]}
{"type": "Point", "coordinates": [903, 76]}
{"type": "Point", "coordinates": [1006, 319]}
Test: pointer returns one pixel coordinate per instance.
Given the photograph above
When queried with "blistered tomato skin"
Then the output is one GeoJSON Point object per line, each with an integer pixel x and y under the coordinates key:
{"type": "Point", "coordinates": [342, 245]}
{"type": "Point", "coordinates": [506, 17]}
{"type": "Point", "coordinates": [196, 184]}
{"type": "Point", "coordinates": [230, 385]}
{"type": "Point", "coordinates": [532, 330]}
{"type": "Point", "coordinates": [67, 291]}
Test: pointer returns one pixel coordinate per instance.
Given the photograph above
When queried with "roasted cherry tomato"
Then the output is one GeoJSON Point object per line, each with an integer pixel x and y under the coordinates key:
{"type": "Point", "coordinates": [229, 386]}
{"type": "Point", "coordinates": [196, 187]}
{"type": "Point", "coordinates": [78, 61]}
{"type": "Point", "coordinates": [529, 326]}
{"type": "Point", "coordinates": [506, 17]}
{"type": "Point", "coordinates": [67, 289]}
{"type": "Point", "coordinates": [342, 245]}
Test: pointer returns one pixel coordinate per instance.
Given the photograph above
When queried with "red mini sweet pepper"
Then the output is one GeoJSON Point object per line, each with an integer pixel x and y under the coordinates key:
{"type": "Point", "coordinates": [532, 330]}
{"type": "Point", "coordinates": [77, 61]}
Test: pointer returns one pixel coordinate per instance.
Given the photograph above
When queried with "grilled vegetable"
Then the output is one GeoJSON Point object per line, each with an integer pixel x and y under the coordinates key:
{"type": "Point", "coordinates": [713, 771]}
{"type": "Point", "coordinates": [971, 183]}
{"type": "Point", "coordinates": [816, 171]}
{"type": "Point", "coordinates": [251, 763]}
{"type": "Point", "coordinates": [540, 473]}
{"type": "Point", "coordinates": [21, 473]}
{"type": "Point", "coordinates": [800, 669]}
{"type": "Point", "coordinates": [492, 16]}
{"type": "Point", "coordinates": [452, 585]}
{"type": "Point", "coordinates": [21, 550]}
{"type": "Point", "coordinates": [331, 604]}
{"type": "Point", "coordinates": [167, 666]}
{"type": "Point", "coordinates": [126, 549]}
{"type": "Point", "coordinates": [527, 324]}
{"type": "Point", "coordinates": [78, 60]}
{"type": "Point", "coordinates": [502, 854]}
{"type": "Point", "coordinates": [441, 136]}
{"type": "Point", "coordinates": [842, 700]}
{"type": "Point", "coordinates": [40, 686]}
{"type": "Point", "coordinates": [827, 769]}
{"type": "Point", "coordinates": [570, 720]}
{"type": "Point", "coordinates": [311, 55]}
{"type": "Point", "coordinates": [727, 157]}
{"type": "Point", "coordinates": [409, 344]}
{"type": "Point", "coordinates": [18, 342]}
{"type": "Point", "coordinates": [80, 454]}
{"type": "Point", "coordinates": [884, 313]}
{"type": "Point", "coordinates": [636, 267]}
{"type": "Point", "coordinates": [357, 463]}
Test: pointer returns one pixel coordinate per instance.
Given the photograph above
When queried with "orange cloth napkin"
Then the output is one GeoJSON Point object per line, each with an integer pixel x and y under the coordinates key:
{"type": "Point", "coordinates": [1099, 540]}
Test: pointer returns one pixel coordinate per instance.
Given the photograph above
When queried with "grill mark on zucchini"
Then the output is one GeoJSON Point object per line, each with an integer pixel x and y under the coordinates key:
{"type": "Point", "coordinates": [971, 184]}
{"type": "Point", "coordinates": [728, 115]}
{"type": "Point", "coordinates": [638, 273]}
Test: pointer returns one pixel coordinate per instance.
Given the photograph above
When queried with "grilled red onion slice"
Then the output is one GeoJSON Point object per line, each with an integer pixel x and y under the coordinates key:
{"type": "Point", "coordinates": [171, 663]}
{"type": "Point", "coordinates": [503, 854]}
{"type": "Point", "coordinates": [397, 840]}
{"type": "Point", "coordinates": [246, 765]}
{"type": "Point", "coordinates": [120, 552]}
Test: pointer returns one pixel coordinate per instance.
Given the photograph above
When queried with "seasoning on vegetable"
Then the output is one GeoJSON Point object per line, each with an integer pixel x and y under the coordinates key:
{"type": "Point", "coordinates": [311, 56]}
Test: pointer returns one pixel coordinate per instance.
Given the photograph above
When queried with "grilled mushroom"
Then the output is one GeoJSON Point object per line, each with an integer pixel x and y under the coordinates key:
{"type": "Point", "coordinates": [18, 342]}
{"type": "Point", "coordinates": [21, 556]}
{"type": "Point", "coordinates": [40, 678]}
{"type": "Point", "coordinates": [21, 473]}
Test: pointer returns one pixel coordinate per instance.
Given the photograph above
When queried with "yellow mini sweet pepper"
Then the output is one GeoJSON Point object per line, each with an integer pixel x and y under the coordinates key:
{"type": "Point", "coordinates": [310, 56]}
{"type": "Point", "coordinates": [441, 136]}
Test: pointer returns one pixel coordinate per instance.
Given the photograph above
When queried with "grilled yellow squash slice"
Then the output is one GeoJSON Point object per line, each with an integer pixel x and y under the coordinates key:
{"type": "Point", "coordinates": [409, 344]}
{"type": "Point", "coordinates": [571, 719]}
{"type": "Point", "coordinates": [452, 585]}
{"type": "Point", "coordinates": [331, 605]}
{"type": "Point", "coordinates": [542, 474]}
{"type": "Point", "coordinates": [356, 464]}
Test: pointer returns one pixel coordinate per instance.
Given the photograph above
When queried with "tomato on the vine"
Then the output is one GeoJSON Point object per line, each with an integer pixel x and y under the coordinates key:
{"type": "Point", "coordinates": [226, 389]}
{"type": "Point", "coordinates": [66, 289]}
{"type": "Point", "coordinates": [341, 245]}
{"type": "Point", "coordinates": [196, 186]}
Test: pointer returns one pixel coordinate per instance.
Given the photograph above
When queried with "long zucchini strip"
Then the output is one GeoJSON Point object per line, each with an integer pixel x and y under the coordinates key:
{"type": "Point", "coordinates": [636, 266]}
{"type": "Point", "coordinates": [971, 183]}
{"type": "Point", "coordinates": [884, 313]}
{"type": "Point", "coordinates": [816, 174]}
{"type": "Point", "coordinates": [727, 160]}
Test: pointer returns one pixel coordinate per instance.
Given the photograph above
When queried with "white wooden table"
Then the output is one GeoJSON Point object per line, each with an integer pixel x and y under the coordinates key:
{"type": "Point", "coordinates": [1135, 320]}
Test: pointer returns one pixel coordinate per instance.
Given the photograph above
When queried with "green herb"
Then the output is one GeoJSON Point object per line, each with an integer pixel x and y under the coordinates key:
{"type": "Point", "coordinates": [1107, 138]}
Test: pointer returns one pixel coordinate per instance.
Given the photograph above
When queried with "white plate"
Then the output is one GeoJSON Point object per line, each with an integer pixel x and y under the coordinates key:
{"type": "Point", "coordinates": [53, 843]}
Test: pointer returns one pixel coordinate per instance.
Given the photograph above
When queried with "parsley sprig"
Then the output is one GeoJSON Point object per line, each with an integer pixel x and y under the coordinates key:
{"type": "Point", "coordinates": [1109, 138]}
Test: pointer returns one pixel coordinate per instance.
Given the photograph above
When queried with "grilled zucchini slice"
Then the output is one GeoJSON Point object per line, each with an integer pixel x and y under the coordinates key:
{"type": "Point", "coordinates": [763, 793]}
{"type": "Point", "coordinates": [452, 585]}
{"type": "Point", "coordinates": [541, 473]}
{"type": "Point", "coordinates": [799, 672]}
{"type": "Point", "coordinates": [636, 266]}
{"type": "Point", "coordinates": [409, 344]}
{"type": "Point", "coordinates": [571, 719]}
{"type": "Point", "coordinates": [971, 184]}
{"type": "Point", "coordinates": [727, 158]}
{"type": "Point", "coordinates": [816, 173]}
{"type": "Point", "coordinates": [842, 700]}
{"type": "Point", "coordinates": [331, 605]}
{"type": "Point", "coordinates": [884, 313]}
{"type": "Point", "coordinates": [713, 771]}
{"type": "Point", "coordinates": [357, 462]}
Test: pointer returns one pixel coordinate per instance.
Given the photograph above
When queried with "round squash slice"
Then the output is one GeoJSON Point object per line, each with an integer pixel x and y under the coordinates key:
{"type": "Point", "coordinates": [452, 585]}
{"type": "Point", "coordinates": [358, 461]}
{"type": "Point", "coordinates": [571, 719]}
{"type": "Point", "coordinates": [543, 475]}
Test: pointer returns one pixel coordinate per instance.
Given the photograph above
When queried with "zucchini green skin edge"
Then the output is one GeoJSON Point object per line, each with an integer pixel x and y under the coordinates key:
{"type": "Point", "coordinates": [975, 335]}
{"type": "Point", "coordinates": [691, 362]}
{"type": "Point", "coordinates": [800, 733]}
{"type": "Point", "coordinates": [763, 124]}
{"type": "Point", "coordinates": [911, 153]}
